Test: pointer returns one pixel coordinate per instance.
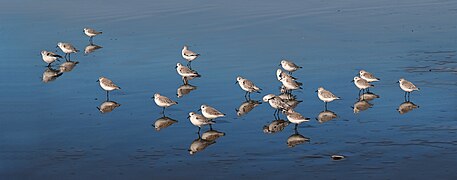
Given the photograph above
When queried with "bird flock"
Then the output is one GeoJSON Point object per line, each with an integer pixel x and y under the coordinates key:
{"type": "Point", "coordinates": [284, 103]}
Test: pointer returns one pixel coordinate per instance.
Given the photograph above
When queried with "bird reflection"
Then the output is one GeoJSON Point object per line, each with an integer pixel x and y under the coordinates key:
{"type": "Point", "coordinates": [50, 74]}
{"type": "Point", "coordinates": [108, 106]}
{"type": "Point", "coordinates": [275, 126]}
{"type": "Point", "coordinates": [368, 96]}
{"type": "Point", "coordinates": [296, 139]}
{"type": "Point", "coordinates": [325, 116]}
{"type": "Point", "coordinates": [246, 107]}
{"type": "Point", "coordinates": [406, 107]}
{"type": "Point", "coordinates": [199, 144]}
{"type": "Point", "coordinates": [184, 90]}
{"type": "Point", "coordinates": [68, 66]}
{"type": "Point", "coordinates": [212, 135]}
{"type": "Point", "coordinates": [91, 48]}
{"type": "Point", "coordinates": [361, 105]}
{"type": "Point", "coordinates": [163, 122]}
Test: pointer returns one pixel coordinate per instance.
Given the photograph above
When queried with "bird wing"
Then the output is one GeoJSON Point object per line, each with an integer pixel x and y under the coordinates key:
{"type": "Point", "coordinates": [213, 111]}
{"type": "Point", "coordinates": [167, 100]}
{"type": "Point", "coordinates": [190, 53]}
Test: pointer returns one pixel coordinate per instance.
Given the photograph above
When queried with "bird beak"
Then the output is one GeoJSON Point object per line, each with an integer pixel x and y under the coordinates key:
{"type": "Point", "coordinates": [97, 81]}
{"type": "Point", "coordinates": [397, 82]}
{"type": "Point", "coordinates": [176, 66]}
{"type": "Point", "coordinates": [316, 91]}
{"type": "Point", "coordinates": [352, 80]}
{"type": "Point", "coordinates": [279, 64]}
{"type": "Point", "coordinates": [236, 82]}
{"type": "Point", "coordinates": [188, 117]}
{"type": "Point", "coordinates": [199, 110]}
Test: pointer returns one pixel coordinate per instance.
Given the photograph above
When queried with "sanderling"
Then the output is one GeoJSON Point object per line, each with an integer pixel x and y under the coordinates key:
{"type": "Point", "coordinates": [210, 112]}
{"type": "Point", "coordinates": [108, 106]}
{"type": "Point", "coordinates": [289, 66]}
{"type": "Point", "coordinates": [91, 48]}
{"type": "Point", "coordinates": [326, 96]}
{"type": "Point", "coordinates": [184, 90]}
{"type": "Point", "coordinates": [107, 85]}
{"type": "Point", "coordinates": [362, 84]}
{"type": "Point", "coordinates": [368, 76]}
{"type": "Point", "coordinates": [290, 84]}
{"type": "Point", "coordinates": [49, 57]}
{"type": "Point", "coordinates": [163, 101]}
{"type": "Point", "coordinates": [163, 122]}
{"type": "Point", "coordinates": [406, 107]}
{"type": "Point", "coordinates": [277, 103]}
{"type": "Point", "coordinates": [296, 139]}
{"type": "Point", "coordinates": [199, 120]}
{"type": "Point", "coordinates": [360, 106]}
{"type": "Point", "coordinates": [91, 33]}
{"type": "Point", "coordinates": [199, 145]}
{"type": "Point", "coordinates": [212, 135]}
{"type": "Point", "coordinates": [247, 107]}
{"type": "Point", "coordinates": [325, 116]}
{"type": "Point", "coordinates": [295, 117]}
{"type": "Point", "coordinates": [67, 48]}
{"type": "Point", "coordinates": [407, 86]}
{"type": "Point", "coordinates": [185, 72]}
{"type": "Point", "coordinates": [188, 55]}
{"type": "Point", "coordinates": [247, 86]}
{"type": "Point", "coordinates": [50, 74]}
{"type": "Point", "coordinates": [275, 126]}
{"type": "Point", "coordinates": [281, 74]}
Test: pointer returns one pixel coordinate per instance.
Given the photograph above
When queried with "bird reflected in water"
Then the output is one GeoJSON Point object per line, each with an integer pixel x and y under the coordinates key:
{"type": "Point", "coordinates": [246, 107]}
{"type": "Point", "coordinates": [199, 144]}
{"type": "Point", "coordinates": [406, 107]}
{"type": "Point", "coordinates": [368, 96]}
{"type": "Point", "coordinates": [275, 126]}
{"type": "Point", "coordinates": [212, 135]}
{"type": "Point", "coordinates": [163, 122]}
{"type": "Point", "coordinates": [68, 66]}
{"type": "Point", "coordinates": [296, 139]}
{"type": "Point", "coordinates": [360, 106]}
{"type": "Point", "coordinates": [184, 90]}
{"type": "Point", "coordinates": [108, 106]}
{"type": "Point", "coordinates": [50, 74]}
{"type": "Point", "coordinates": [91, 48]}
{"type": "Point", "coordinates": [325, 116]}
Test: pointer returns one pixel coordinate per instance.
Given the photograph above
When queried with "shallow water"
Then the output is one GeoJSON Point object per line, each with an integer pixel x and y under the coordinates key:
{"type": "Point", "coordinates": [54, 129]}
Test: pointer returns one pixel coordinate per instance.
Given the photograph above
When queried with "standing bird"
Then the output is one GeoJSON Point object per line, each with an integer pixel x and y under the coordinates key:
{"type": "Point", "coordinates": [362, 84]}
{"type": "Point", "coordinates": [407, 86]}
{"type": "Point", "coordinates": [67, 48]}
{"type": "Point", "coordinates": [107, 85]}
{"type": "Point", "coordinates": [199, 120]}
{"type": "Point", "coordinates": [186, 73]}
{"type": "Point", "coordinates": [368, 76]}
{"type": "Point", "coordinates": [91, 33]}
{"type": "Point", "coordinates": [290, 84]}
{"type": "Point", "coordinates": [281, 74]}
{"type": "Point", "coordinates": [163, 101]}
{"type": "Point", "coordinates": [49, 57]}
{"type": "Point", "coordinates": [210, 112]}
{"type": "Point", "coordinates": [247, 86]}
{"type": "Point", "coordinates": [277, 103]}
{"type": "Point", "coordinates": [289, 66]}
{"type": "Point", "coordinates": [188, 55]}
{"type": "Point", "coordinates": [296, 118]}
{"type": "Point", "coordinates": [326, 96]}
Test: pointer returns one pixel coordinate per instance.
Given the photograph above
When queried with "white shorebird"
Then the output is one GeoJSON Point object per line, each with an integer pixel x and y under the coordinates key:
{"type": "Point", "coordinates": [281, 74]}
{"type": "Point", "coordinates": [91, 33]}
{"type": "Point", "coordinates": [67, 48]}
{"type": "Point", "coordinates": [49, 57]}
{"type": "Point", "coordinates": [277, 103]}
{"type": "Point", "coordinates": [188, 55]}
{"type": "Point", "coordinates": [296, 118]}
{"type": "Point", "coordinates": [247, 86]}
{"type": "Point", "coordinates": [407, 86]}
{"type": "Point", "coordinates": [199, 120]}
{"type": "Point", "coordinates": [362, 84]}
{"type": "Point", "coordinates": [326, 96]}
{"type": "Point", "coordinates": [210, 112]}
{"type": "Point", "coordinates": [163, 101]}
{"type": "Point", "coordinates": [107, 85]}
{"type": "Point", "coordinates": [290, 84]}
{"type": "Point", "coordinates": [289, 66]}
{"type": "Point", "coordinates": [186, 73]}
{"type": "Point", "coordinates": [368, 76]}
